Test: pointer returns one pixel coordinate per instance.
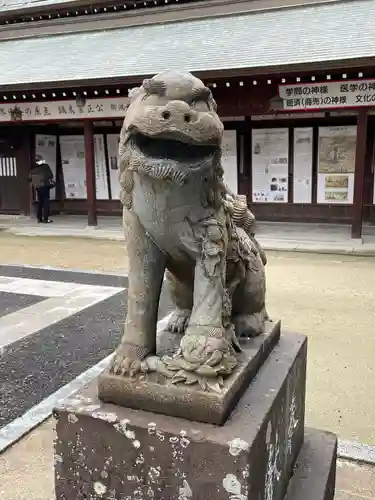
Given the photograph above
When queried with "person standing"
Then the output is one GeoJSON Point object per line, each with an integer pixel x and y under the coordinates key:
{"type": "Point", "coordinates": [42, 181]}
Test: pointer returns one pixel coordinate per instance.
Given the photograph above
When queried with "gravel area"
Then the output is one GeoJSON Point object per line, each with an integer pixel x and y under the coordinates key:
{"type": "Point", "coordinates": [74, 253]}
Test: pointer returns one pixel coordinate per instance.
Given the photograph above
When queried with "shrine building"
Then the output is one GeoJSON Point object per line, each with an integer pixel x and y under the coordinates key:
{"type": "Point", "coordinates": [294, 83]}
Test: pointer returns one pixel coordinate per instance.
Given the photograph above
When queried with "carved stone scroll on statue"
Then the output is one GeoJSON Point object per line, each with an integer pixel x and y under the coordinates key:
{"type": "Point", "coordinates": [181, 219]}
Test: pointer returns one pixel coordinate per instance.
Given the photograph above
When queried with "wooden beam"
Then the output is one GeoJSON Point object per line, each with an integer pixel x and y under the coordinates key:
{"type": "Point", "coordinates": [359, 176]}
{"type": "Point", "coordinates": [92, 219]}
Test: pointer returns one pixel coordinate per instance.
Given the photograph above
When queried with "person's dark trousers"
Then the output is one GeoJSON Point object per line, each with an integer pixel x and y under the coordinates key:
{"type": "Point", "coordinates": [43, 208]}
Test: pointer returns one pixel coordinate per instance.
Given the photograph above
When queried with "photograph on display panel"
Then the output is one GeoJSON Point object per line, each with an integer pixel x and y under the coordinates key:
{"type": "Point", "coordinates": [337, 181]}
{"type": "Point", "coordinates": [337, 148]}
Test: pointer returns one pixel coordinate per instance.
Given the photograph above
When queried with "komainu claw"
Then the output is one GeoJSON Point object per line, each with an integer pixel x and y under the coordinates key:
{"type": "Point", "coordinates": [128, 360]}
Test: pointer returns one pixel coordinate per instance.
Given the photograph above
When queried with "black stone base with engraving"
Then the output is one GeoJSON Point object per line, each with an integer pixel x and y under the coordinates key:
{"type": "Point", "coordinates": [155, 393]}
{"type": "Point", "coordinates": [104, 451]}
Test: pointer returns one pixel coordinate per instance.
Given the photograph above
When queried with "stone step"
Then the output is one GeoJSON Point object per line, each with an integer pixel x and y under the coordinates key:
{"type": "Point", "coordinates": [314, 474]}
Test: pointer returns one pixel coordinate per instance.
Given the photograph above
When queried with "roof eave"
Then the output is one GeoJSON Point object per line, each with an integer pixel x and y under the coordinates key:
{"type": "Point", "coordinates": [282, 70]}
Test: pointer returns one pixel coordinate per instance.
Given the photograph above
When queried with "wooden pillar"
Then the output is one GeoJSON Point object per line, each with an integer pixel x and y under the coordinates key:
{"type": "Point", "coordinates": [92, 219]}
{"type": "Point", "coordinates": [248, 161]}
{"type": "Point", "coordinates": [23, 162]}
{"type": "Point", "coordinates": [360, 162]}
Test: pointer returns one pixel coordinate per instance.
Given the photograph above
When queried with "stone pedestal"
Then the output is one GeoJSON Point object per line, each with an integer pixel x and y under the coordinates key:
{"type": "Point", "coordinates": [155, 393]}
{"type": "Point", "coordinates": [108, 452]}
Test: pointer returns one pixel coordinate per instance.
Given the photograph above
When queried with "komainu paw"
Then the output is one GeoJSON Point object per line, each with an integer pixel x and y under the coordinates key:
{"type": "Point", "coordinates": [179, 320]}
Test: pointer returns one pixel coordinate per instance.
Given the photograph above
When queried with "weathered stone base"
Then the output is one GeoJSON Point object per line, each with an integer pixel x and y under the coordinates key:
{"type": "Point", "coordinates": [157, 394]}
{"type": "Point", "coordinates": [314, 476]}
{"type": "Point", "coordinates": [108, 452]}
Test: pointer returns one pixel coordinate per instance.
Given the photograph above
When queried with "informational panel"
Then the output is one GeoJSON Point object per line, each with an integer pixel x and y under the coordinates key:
{"type": "Point", "coordinates": [112, 147]}
{"type": "Point", "coordinates": [270, 163]}
{"type": "Point", "coordinates": [45, 146]}
{"type": "Point", "coordinates": [229, 160]}
{"type": "Point", "coordinates": [100, 169]}
{"type": "Point", "coordinates": [72, 149]}
{"type": "Point", "coordinates": [336, 164]}
{"type": "Point", "coordinates": [302, 165]}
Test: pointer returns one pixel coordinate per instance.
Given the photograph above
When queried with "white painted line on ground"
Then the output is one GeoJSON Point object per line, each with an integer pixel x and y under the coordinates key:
{"type": "Point", "coordinates": [69, 270]}
{"type": "Point", "coordinates": [16, 429]}
{"type": "Point", "coordinates": [45, 288]}
{"type": "Point", "coordinates": [66, 300]}
{"type": "Point", "coordinates": [357, 452]}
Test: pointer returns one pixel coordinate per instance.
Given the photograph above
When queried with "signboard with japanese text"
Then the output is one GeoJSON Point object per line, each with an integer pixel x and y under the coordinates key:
{"type": "Point", "coordinates": [111, 107]}
{"type": "Point", "coordinates": [229, 160]}
{"type": "Point", "coordinates": [270, 164]}
{"type": "Point", "coordinates": [336, 165]}
{"type": "Point", "coordinates": [72, 149]}
{"type": "Point", "coordinates": [328, 95]}
{"type": "Point", "coordinates": [112, 147]}
{"type": "Point", "coordinates": [45, 146]}
{"type": "Point", "coordinates": [302, 165]}
{"type": "Point", "coordinates": [101, 179]}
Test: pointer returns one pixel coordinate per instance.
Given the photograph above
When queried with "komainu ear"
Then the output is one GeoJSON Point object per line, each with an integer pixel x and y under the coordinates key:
{"type": "Point", "coordinates": [134, 92]}
{"type": "Point", "coordinates": [152, 86]}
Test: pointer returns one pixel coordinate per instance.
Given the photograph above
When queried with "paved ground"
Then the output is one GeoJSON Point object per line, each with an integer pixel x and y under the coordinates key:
{"type": "Point", "coordinates": [330, 298]}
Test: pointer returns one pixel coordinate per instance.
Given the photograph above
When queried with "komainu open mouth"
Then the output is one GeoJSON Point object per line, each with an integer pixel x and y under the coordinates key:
{"type": "Point", "coordinates": [171, 149]}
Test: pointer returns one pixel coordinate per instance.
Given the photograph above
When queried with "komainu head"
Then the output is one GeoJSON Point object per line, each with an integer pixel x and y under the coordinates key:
{"type": "Point", "coordinates": [171, 128]}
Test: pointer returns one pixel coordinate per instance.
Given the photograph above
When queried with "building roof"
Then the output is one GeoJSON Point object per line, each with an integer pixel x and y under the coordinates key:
{"type": "Point", "coordinates": [16, 5]}
{"type": "Point", "coordinates": [326, 33]}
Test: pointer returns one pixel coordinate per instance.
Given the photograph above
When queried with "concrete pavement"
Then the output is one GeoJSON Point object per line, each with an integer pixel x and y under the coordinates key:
{"type": "Point", "coordinates": [295, 237]}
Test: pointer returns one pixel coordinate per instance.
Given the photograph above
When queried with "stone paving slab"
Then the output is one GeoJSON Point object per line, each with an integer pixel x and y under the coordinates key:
{"type": "Point", "coordinates": [68, 276]}
{"type": "Point", "coordinates": [10, 302]}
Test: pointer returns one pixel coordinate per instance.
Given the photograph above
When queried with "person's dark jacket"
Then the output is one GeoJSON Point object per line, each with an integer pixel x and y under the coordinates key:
{"type": "Point", "coordinates": [41, 175]}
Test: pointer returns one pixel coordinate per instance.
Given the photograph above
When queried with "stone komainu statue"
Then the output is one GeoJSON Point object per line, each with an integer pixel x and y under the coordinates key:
{"type": "Point", "coordinates": [179, 217]}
